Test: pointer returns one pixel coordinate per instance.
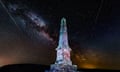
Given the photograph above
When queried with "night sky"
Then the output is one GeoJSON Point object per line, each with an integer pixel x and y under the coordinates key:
{"type": "Point", "coordinates": [93, 29]}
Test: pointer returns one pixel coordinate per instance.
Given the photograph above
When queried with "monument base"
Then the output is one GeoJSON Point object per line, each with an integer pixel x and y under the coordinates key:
{"type": "Point", "coordinates": [63, 68]}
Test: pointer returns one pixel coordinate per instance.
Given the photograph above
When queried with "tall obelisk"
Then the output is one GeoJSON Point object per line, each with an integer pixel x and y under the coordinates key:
{"type": "Point", "coordinates": [63, 62]}
{"type": "Point", "coordinates": [63, 49]}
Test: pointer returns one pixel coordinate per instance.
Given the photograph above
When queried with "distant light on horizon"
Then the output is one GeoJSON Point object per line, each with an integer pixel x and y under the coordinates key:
{"type": "Point", "coordinates": [89, 66]}
{"type": "Point", "coordinates": [90, 59]}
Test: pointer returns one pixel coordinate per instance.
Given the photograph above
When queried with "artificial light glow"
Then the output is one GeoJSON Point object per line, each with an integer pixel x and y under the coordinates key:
{"type": "Point", "coordinates": [89, 66]}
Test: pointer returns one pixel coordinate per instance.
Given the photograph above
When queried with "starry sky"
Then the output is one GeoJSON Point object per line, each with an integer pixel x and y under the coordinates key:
{"type": "Point", "coordinates": [93, 30]}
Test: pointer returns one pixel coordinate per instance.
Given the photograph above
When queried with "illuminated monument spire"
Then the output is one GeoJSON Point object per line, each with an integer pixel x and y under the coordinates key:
{"type": "Point", "coordinates": [63, 62]}
{"type": "Point", "coordinates": [63, 49]}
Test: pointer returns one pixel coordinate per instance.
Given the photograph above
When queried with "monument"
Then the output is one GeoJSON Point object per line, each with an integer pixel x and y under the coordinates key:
{"type": "Point", "coordinates": [63, 62]}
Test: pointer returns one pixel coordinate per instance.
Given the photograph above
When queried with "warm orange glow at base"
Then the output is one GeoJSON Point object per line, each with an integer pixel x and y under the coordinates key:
{"type": "Point", "coordinates": [89, 66]}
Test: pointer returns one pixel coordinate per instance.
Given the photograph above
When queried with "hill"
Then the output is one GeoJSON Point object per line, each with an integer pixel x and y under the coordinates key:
{"type": "Point", "coordinates": [38, 68]}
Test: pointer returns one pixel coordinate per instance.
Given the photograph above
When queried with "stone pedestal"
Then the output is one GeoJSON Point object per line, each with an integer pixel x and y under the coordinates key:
{"type": "Point", "coordinates": [63, 68]}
